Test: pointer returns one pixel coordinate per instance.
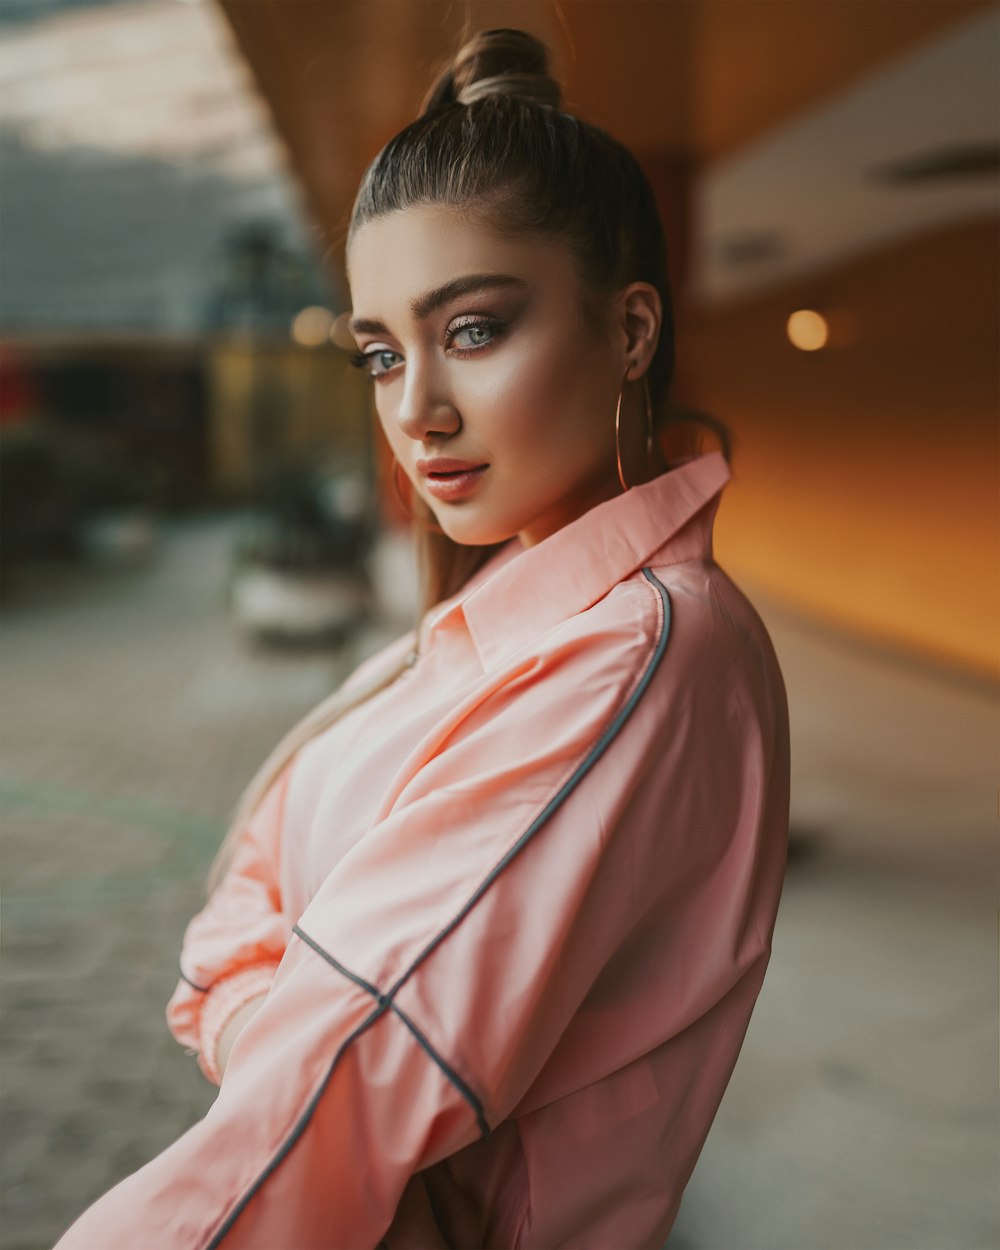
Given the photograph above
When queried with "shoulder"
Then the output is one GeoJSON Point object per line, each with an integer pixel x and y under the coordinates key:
{"type": "Point", "coordinates": [607, 646]}
{"type": "Point", "coordinates": [688, 623]}
{"type": "Point", "coordinates": [720, 653]}
{"type": "Point", "coordinates": [629, 619]}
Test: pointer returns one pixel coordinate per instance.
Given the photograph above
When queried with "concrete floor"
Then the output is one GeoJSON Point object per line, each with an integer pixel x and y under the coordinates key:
{"type": "Point", "coordinates": [862, 1113]}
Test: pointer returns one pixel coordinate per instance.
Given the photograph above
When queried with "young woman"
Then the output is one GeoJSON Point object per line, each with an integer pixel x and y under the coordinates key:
{"type": "Point", "coordinates": [489, 925]}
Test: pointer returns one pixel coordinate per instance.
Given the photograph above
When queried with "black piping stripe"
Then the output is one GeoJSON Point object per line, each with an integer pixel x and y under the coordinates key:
{"type": "Point", "coordinates": [449, 1072]}
{"type": "Point", "coordinates": [297, 1131]}
{"type": "Point", "coordinates": [385, 1000]}
{"type": "Point", "coordinates": [202, 989]}
{"type": "Point", "coordinates": [353, 976]}
{"type": "Point", "coordinates": [462, 1087]}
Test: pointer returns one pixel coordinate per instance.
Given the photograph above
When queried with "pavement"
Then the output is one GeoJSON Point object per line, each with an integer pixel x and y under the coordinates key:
{"type": "Point", "coordinates": [862, 1113]}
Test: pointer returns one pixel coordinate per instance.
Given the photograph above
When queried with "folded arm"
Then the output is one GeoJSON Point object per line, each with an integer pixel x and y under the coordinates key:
{"type": "Point", "coordinates": [233, 946]}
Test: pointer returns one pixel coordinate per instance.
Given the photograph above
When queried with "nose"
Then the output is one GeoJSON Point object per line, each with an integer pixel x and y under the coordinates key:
{"type": "Point", "coordinates": [426, 406]}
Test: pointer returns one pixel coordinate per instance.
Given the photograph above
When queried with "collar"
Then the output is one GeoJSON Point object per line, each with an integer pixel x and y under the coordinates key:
{"type": "Point", "coordinates": [524, 591]}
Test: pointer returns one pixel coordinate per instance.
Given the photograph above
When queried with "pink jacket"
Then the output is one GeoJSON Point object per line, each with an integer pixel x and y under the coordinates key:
{"type": "Point", "coordinates": [514, 912]}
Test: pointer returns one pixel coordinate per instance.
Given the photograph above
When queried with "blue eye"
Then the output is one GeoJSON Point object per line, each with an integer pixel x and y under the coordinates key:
{"type": "Point", "coordinates": [479, 334]}
{"type": "Point", "coordinates": [375, 362]}
{"type": "Point", "coordinates": [481, 331]}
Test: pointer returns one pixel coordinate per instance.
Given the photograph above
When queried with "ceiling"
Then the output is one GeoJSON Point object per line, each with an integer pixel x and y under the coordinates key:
{"type": "Point", "coordinates": [906, 149]}
{"type": "Point", "coordinates": [703, 77]}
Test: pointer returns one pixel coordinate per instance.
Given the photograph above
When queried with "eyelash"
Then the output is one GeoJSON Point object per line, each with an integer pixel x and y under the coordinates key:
{"type": "Point", "coordinates": [360, 359]}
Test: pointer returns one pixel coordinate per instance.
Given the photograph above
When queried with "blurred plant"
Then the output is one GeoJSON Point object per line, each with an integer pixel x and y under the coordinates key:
{"type": "Point", "coordinates": [312, 517]}
{"type": "Point", "coordinates": [54, 479]}
{"type": "Point", "coordinates": [301, 564]}
{"type": "Point", "coordinates": [262, 281]}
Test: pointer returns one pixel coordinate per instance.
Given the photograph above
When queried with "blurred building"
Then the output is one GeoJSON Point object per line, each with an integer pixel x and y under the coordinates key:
{"type": "Point", "coordinates": [156, 253]}
{"type": "Point", "coordinates": [138, 156]}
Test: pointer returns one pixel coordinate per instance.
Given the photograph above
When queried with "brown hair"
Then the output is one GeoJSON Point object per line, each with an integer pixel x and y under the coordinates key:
{"type": "Point", "coordinates": [492, 142]}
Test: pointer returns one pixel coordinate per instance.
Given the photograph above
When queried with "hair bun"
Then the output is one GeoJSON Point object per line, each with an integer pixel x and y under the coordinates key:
{"type": "Point", "coordinates": [496, 62]}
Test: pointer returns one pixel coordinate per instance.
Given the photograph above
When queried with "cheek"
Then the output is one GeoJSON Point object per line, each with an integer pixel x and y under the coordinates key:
{"type": "Point", "coordinates": [529, 389]}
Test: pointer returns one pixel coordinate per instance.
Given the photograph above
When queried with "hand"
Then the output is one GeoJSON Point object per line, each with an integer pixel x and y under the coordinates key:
{"type": "Point", "coordinates": [233, 1028]}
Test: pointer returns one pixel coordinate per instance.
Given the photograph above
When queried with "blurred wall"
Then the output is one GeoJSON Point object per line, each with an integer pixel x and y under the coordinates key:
{"type": "Point", "coordinates": [865, 475]}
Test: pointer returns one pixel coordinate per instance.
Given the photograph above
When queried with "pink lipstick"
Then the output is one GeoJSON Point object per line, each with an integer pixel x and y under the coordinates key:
{"type": "Point", "coordinates": [451, 484]}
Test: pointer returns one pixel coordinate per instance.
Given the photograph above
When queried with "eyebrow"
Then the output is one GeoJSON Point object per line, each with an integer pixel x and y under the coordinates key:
{"type": "Point", "coordinates": [421, 306]}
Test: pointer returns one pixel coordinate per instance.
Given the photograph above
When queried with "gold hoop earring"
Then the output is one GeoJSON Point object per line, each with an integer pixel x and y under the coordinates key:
{"type": "Point", "coordinates": [649, 425]}
{"type": "Point", "coordinates": [432, 527]}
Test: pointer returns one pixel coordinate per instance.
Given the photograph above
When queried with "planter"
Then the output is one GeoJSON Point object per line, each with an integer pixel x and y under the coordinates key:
{"type": "Point", "coordinates": [298, 605]}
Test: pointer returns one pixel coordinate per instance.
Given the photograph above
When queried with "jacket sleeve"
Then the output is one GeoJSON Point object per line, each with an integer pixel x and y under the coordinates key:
{"type": "Point", "coordinates": [232, 947]}
{"type": "Point", "coordinates": [429, 979]}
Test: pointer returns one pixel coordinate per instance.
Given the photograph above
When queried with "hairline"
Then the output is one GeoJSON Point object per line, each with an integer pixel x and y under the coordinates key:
{"type": "Point", "coordinates": [491, 219]}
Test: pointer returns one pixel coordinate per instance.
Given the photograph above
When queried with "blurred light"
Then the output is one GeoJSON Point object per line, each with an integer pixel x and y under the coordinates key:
{"type": "Point", "coordinates": [807, 330]}
{"type": "Point", "coordinates": [312, 326]}
{"type": "Point", "coordinates": [340, 333]}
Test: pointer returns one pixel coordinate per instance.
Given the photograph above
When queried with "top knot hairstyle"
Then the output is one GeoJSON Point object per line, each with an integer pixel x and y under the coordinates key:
{"type": "Point", "coordinates": [491, 141]}
{"type": "Point", "coordinates": [496, 62]}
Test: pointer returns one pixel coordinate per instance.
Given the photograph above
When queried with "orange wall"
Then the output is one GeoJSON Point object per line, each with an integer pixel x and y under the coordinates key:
{"type": "Point", "coordinates": [865, 475]}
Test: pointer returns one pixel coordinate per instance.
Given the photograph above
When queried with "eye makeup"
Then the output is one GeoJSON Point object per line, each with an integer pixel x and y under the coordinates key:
{"type": "Point", "coordinates": [469, 323]}
{"type": "Point", "coordinates": [473, 324]}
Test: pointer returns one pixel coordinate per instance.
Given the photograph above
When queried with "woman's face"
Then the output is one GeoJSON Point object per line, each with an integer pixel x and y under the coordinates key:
{"type": "Point", "coordinates": [479, 353]}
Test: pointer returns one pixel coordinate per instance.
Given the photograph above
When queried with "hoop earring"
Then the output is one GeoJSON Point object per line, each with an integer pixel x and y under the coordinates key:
{"type": "Point", "coordinates": [432, 528]}
{"type": "Point", "coordinates": [649, 425]}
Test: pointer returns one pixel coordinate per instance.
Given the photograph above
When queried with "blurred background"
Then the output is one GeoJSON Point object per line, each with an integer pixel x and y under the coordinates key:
{"type": "Point", "coordinates": [200, 538]}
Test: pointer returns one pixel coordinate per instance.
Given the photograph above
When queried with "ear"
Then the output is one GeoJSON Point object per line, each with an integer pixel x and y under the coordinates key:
{"type": "Point", "coordinates": [641, 316]}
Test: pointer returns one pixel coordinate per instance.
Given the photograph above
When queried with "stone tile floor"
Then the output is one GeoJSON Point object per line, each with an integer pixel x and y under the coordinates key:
{"type": "Point", "coordinates": [862, 1113]}
{"type": "Point", "coordinates": [132, 714]}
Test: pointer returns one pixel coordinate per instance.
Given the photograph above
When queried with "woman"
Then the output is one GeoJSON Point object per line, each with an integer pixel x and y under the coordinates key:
{"type": "Point", "coordinates": [490, 923]}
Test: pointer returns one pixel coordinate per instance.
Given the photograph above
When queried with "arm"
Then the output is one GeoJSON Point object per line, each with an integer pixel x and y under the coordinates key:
{"type": "Point", "coordinates": [232, 947]}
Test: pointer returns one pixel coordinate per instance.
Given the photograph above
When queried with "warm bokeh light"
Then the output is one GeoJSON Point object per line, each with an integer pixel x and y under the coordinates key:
{"type": "Point", "coordinates": [340, 332]}
{"type": "Point", "coordinates": [807, 330]}
{"type": "Point", "coordinates": [311, 327]}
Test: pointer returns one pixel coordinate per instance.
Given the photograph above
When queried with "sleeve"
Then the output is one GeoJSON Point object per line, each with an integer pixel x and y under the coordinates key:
{"type": "Point", "coordinates": [431, 976]}
{"type": "Point", "coordinates": [232, 947]}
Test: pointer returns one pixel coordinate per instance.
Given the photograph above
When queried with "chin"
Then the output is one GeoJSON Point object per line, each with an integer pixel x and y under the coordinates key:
{"type": "Point", "coordinates": [474, 531]}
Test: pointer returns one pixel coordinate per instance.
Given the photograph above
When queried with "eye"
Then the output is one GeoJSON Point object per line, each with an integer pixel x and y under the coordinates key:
{"type": "Point", "coordinates": [477, 335]}
{"type": "Point", "coordinates": [376, 361]}
{"type": "Point", "coordinates": [474, 334]}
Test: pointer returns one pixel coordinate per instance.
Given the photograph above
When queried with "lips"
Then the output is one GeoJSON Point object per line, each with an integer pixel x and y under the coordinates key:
{"type": "Point", "coordinates": [455, 484]}
{"type": "Point", "coordinates": [442, 467]}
